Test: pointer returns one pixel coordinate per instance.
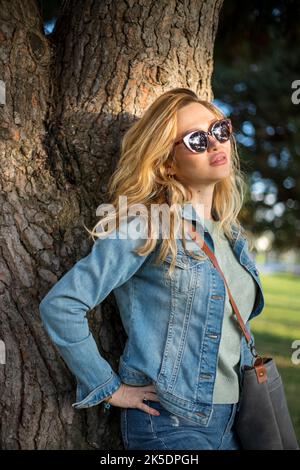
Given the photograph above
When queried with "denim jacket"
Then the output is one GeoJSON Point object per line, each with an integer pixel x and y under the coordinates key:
{"type": "Point", "coordinates": [173, 326]}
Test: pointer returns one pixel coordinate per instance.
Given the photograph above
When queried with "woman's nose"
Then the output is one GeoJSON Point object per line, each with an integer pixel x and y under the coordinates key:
{"type": "Point", "coordinates": [212, 143]}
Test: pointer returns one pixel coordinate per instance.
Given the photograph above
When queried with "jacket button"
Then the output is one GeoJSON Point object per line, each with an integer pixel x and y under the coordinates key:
{"type": "Point", "coordinates": [217, 297]}
{"type": "Point", "coordinates": [213, 336]}
{"type": "Point", "coordinates": [205, 376]}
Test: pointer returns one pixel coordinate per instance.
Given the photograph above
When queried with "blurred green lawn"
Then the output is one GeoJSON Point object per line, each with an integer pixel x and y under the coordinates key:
{"type": "Point", "coordinates": [276, 328]}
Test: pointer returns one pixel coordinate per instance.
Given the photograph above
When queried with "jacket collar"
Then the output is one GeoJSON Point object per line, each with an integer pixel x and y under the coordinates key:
{"type": "Point", "coordinates": [188, 212]}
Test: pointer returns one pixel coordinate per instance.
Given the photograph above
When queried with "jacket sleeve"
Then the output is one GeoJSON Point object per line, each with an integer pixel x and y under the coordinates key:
{"type": "Point", "coordinates": [110, 263]}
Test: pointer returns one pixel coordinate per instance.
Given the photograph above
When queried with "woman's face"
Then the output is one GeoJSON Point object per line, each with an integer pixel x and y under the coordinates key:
{"type": "Point", "coordinates": [194, 169]}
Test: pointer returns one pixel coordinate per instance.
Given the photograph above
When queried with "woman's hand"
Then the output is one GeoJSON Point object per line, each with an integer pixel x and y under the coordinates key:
{"type": "Point", "coordinates": [128, 396]}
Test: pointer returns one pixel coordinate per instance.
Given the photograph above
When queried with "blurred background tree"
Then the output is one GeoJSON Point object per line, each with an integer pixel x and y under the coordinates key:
{"type": "Point", "coordinates": [256, 60]}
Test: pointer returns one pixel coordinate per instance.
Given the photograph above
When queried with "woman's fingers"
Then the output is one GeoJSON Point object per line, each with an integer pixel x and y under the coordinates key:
{"type": "Point", "coordinates": [152, 396]}
{"type": "Point", "coordinates": [150, 410]}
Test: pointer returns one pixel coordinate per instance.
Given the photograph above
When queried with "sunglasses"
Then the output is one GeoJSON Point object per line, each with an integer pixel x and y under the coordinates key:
{"type": "Point", "coordinates": [197, 141]}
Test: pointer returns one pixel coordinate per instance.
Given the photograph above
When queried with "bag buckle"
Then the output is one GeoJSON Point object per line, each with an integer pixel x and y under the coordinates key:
{"type": "Point", "coordinates": [252, 348]}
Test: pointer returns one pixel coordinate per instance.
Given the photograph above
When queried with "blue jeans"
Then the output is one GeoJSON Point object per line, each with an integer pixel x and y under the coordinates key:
{"type": "Point", "coordinates": [141, 430]}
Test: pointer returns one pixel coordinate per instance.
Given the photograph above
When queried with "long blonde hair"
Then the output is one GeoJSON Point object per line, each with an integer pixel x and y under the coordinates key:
{"type": "Point", "coordinates": [147, 148]}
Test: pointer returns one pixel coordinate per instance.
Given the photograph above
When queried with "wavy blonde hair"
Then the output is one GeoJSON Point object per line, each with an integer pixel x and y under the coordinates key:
{"type": "Point", "coordinates": [147, 149]}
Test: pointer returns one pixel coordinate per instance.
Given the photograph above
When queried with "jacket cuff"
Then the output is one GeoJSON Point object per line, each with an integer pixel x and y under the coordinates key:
{"type": "Point", "coordinates": [98, 394]}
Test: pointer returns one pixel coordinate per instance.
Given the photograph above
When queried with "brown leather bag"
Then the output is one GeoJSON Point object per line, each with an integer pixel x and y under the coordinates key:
{"type": "Point", "coordinates": [262, 421]}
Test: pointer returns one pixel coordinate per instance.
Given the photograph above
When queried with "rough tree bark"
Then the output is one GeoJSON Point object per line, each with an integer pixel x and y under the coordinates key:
{"type": "Point", "coordinates": [69, 98]}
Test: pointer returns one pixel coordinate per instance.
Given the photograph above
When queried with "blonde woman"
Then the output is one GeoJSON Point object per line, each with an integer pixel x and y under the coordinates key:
{"type": "Point", "coordinates": [179, 378]}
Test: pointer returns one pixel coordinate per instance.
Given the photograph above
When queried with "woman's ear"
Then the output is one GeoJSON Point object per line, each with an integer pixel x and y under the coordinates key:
{"type": "Point", "coordinates": [170, 171]}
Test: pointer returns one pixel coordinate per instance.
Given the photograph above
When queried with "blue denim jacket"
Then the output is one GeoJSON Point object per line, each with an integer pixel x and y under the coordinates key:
{"type": "Point", "coordinates": [173, 326]}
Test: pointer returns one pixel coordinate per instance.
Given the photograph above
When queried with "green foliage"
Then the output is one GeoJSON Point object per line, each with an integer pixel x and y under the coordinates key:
{"type": "Point", "coordinates": [256, 60]}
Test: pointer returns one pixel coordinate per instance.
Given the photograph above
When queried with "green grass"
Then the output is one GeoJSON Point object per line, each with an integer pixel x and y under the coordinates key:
{"type": "Point", "coordinates": [276, 328]}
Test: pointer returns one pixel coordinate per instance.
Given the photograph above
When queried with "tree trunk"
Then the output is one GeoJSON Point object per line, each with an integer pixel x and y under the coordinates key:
{"type": "Point", "coordinates": [69, 99]}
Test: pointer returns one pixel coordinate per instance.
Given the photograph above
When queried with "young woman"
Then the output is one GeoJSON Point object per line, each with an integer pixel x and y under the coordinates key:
{"type": "Point", "coordinates": [180, 374]}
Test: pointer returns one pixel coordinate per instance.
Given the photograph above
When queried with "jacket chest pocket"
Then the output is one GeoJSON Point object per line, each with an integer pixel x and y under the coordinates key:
{"type": "Point", "coordinates": [187, 274]}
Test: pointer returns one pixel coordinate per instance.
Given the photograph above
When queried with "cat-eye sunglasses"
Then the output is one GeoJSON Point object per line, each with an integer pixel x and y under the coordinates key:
{"type": "Point", "coordinates": [197, 141]}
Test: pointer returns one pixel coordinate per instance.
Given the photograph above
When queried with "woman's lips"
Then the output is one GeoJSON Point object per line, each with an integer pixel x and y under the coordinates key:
{"type": "Point", "coordinates": [219, 159]}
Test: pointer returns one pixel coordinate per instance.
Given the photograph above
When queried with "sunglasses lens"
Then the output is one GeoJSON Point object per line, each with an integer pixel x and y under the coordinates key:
{"type": "Point", "coordinates": [221, 130]}
{"type": "Point", "coordinates": [198, 141]}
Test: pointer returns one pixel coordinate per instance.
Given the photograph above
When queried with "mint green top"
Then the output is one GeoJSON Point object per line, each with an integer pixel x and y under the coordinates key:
{"type": "Point", "coordinates": [243, 289]}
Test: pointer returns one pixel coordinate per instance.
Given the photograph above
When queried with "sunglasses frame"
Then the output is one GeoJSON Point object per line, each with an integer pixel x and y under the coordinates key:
{"type": "Point", "coordinates": [185, 138]}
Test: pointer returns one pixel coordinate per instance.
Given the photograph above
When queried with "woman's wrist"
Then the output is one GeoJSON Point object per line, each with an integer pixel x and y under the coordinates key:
{"type": "Point", "coordinates": [107, 398]}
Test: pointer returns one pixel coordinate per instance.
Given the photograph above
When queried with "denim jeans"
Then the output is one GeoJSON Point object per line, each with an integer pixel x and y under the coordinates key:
{"type": "Point", "coordinates": [141, 430]}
